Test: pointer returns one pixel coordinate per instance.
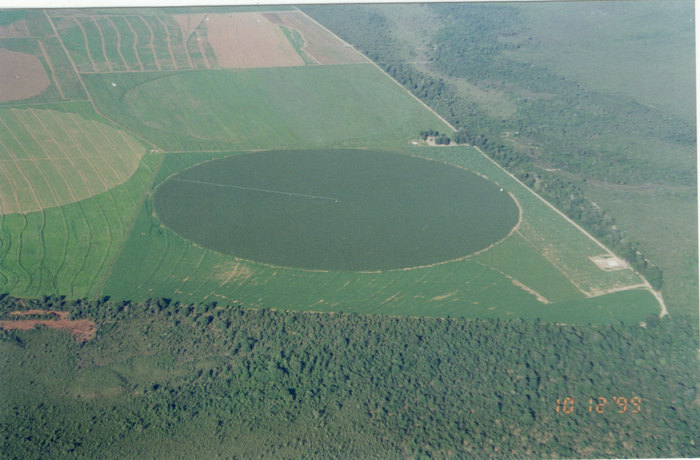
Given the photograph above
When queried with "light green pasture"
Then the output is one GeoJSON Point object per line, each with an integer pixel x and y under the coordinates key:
{"type": "Point", "coordinates": [311, 106]}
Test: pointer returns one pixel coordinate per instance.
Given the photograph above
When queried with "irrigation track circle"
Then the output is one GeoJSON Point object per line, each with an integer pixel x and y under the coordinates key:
{"type": "Point", "coordinates": [357, 210]}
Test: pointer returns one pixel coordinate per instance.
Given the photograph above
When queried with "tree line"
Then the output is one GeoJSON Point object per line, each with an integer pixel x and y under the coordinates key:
{"type": "Point", "coordinates": [469, 47]}
{"type": "Point", "coordinates": [262, 382]}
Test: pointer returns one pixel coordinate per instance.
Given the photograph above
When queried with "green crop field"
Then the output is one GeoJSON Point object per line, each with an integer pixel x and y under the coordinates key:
{"type": "Point", "coordinates": [97, 222]}
{"type": "Point", "coordinates": [336, 209]}
{"type": "Point", "coordinates": [335, 106]}
{"type": "Point", "coordinates": [260, 255]}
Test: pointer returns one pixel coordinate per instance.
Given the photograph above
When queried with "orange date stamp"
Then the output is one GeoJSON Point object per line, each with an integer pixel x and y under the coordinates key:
{"type": "Point", "coordinates": [601, 405]}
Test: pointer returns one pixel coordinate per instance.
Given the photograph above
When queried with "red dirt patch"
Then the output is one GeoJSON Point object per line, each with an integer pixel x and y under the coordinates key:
{"type": "Point", "coordinates": [21, 76]}
{"type": "Point", "coordinates": [247, 40]}
{"type": "Point", "coordinates": [81, 329]}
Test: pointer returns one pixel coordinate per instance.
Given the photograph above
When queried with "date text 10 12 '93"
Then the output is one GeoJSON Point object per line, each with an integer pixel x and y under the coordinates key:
{"type": "Point", "coordinates": [601, 405]}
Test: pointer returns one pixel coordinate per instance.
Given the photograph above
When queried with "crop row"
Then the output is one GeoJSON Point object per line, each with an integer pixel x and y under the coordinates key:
{"type": "Point", "coordinates": [69, 249]}
{"type": "Point", "coordinates": [120, 43]}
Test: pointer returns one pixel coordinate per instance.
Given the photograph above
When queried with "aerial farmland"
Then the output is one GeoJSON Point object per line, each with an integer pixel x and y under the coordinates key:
{"type": "Point", "coordinates": [227, 232]}
{"type": "Point", "coordinates": [127, 103]}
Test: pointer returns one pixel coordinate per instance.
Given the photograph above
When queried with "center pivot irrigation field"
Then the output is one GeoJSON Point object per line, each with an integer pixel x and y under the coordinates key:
{"type": "Point", "coordinates": [336, 209]}
{"type": "Point", "coordinates": [172, 157]}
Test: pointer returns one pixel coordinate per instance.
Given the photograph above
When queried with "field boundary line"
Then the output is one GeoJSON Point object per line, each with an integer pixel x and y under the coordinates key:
{"type": "Point", "coordinates": [129, 224]}
{"type": "Point", "coordinates": [53, 73]}
{"type": "Point", "coordinates": [87, 47]}
{"type": "Point", "coordinates": [184, 40]}
{"type": "Point", "coordinates": [136, 40]}
{"type": "Point", "coordinates": [167, 39]}
{"type": "Point", "coordinates": [119, 43]}
{"type": "Point", "coordinates": [150, 44]}
{"type": "Point", "coordinates": [382, 71]}
{"type": "Point", "coordinates": [102, 40]}
{"type": "Point", "coordinates": [201, 48]}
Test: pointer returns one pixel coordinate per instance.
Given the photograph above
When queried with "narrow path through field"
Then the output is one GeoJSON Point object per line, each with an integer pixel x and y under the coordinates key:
{"type": "Point", "coordinates": [150, 44]}
{"type": "Point", "coordinates": [167, 39]}
{"type": "Point", "coordinates": [119, 43]}
{"type": "Point", "coordinates": [102, 40]}
{"type": "Point", "coordinates": [198, 37]}
{"type": "Point", "coordinates": [135, 42]}
{"type": "Point", "coordinates": [85, 39]}
{"type": "Point", "coordinates": [53, 74]}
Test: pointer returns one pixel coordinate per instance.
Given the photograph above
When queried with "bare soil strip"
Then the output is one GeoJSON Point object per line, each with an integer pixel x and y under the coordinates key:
{"type": "Point", "coordinates": [167, 39]}
{"type": "Point", "coordinates": [87, 48]}
{"type": "Point", "coordinates": [135, 42]}
{"type": "Point", "coordinates": [102, 40]}
{"type": "Point", "coordinates": [82, 330]}
{"type": "Point", "coordinates": [153, 49]}
{"type": "Point", "coordinates": [119, 43]}
{"type": "Point", "coordinates": [22, 75]}
{"type": "Point", "coordinates": [53, 74]}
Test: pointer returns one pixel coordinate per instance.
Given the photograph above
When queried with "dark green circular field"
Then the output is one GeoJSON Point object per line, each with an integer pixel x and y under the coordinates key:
{"type": "Point", "coordinates": [335, 209]}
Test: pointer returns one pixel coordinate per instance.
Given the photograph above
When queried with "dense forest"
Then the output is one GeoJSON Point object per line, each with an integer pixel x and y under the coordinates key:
{"type": "Point", "coordinates": [163, 379]}
{"type": "Point", "coordinates": [473, 44]}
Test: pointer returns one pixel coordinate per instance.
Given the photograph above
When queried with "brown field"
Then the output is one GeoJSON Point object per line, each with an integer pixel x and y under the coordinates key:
{"type": "Point", "coordinates": [188, 23]}
{"type": "Point", "coordinates": [21, 76]}
{"type": "Point", "coordinates": [247, 40]}
{"type": "Point", "coordinates": [81, 329]}
{"type": "Point", "coordinates": [320, 44]}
